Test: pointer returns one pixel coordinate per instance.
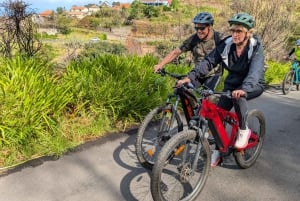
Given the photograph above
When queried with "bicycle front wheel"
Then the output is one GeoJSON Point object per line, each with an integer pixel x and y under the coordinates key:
{"type": "Point", "coordinates": [288, 82]}
{"type": "Point", "coordinates": [180, 171]}
{"type": "Point", "coordinates": [256, 123]}
{"type": "Point", "coordinates": [157, 127]}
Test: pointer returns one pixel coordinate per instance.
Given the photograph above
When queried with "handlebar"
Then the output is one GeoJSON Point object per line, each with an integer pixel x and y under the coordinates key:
{"type": "Point", "coordinates": [163, 72]}
{"type": "Point", "coordinates": [204, 91]}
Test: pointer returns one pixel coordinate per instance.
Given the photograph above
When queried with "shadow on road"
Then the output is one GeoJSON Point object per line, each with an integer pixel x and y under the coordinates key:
{"type": "Point", "coordinates": [135, 186]}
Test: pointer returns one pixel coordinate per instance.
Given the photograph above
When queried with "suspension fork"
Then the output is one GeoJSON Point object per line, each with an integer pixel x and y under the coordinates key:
{"type": "Point", "coordinates": [173, 111]}
{"type": "Point", "coordinates": [202, 128]}
{"type": "Point", "coordinates": [195, 125]}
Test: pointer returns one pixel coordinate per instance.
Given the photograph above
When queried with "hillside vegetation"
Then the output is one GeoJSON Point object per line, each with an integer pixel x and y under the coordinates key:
{"type": "Point", "coordinates": [48, 107]}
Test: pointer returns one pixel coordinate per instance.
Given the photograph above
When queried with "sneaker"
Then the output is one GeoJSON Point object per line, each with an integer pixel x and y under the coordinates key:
{"type": "Point", "coordinates": [242, 139]}
{"type": "Point", "coordinates": [215, 158]}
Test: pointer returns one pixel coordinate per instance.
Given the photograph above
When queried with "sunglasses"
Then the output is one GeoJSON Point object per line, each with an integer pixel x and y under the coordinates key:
{"type": "Point", "coordinates": [200, 28]}
{"type": "Point", "coordinates": [238, 31]}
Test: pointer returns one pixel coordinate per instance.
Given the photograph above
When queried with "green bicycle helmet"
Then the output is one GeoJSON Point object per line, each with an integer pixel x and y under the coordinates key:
{"type": "Point", "coordinates": [203, 18]}
{"type": "Point", "coordinates": [242, 19]}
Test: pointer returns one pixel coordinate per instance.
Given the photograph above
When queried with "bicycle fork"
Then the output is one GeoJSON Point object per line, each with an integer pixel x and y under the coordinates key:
{"type": "Point", "coordinates": [169, 122]}
{"type": "Point", "coordinates": [194, 124]}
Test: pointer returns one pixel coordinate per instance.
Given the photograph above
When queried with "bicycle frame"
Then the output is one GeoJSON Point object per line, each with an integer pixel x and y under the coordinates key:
{"type": "Point", "coordinates": [180, 94]}
{"type": "Point", "coordinates": [182, 166]}
{"type": "Point", "coordinates": [296, 69]}
{"type": "Point", "coordinates": [174, 106]}
{"type": "Point", "coordinates": [217, 118]}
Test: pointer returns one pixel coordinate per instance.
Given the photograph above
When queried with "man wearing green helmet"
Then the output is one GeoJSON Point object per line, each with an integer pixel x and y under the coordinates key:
{"type": "Point", "coordinates": [200, 44]}
{"type": "Point", "coordinates": [242, 56]}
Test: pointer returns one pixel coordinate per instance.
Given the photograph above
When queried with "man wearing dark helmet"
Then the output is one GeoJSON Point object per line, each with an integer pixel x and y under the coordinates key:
{"type": "Point", "coordinates": [242, 56]}
{"type": "Point", "coordinates": [200, 44]}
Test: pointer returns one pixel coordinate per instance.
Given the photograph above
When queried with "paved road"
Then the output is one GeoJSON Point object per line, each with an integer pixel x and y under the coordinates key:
{"type": "Point", "coordinates": [107, 169]}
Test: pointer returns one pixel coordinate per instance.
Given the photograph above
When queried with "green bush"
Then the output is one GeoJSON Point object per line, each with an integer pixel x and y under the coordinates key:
{"type": "Point", "coordinates": [102, 47]}
{"type": "Point", "coordinates": [275, 72]}
{"type": "Point", "coordinates": [123, 86]}
{"type": "Point", "coordinates": [42, 114]}
{"type": "Point", "coordinates": [32, 102]}
{"type": "Point", "coordinates": [103, 36]}
{"type": "Point", "coordinates": [45, 36]}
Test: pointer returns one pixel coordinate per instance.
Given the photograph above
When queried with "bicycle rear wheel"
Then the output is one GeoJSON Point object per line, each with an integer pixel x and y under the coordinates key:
{"type": "Point", "coordinates": [173, 175]}
{"type": "Point", "coordinates": [256, 123]}
{"type": "Point", "coordinates": [288, 82]}
{"type": "Point", "coordinates": [157, 127]}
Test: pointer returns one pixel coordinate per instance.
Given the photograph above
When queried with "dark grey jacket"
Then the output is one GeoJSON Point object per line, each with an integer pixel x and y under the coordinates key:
{"type": "Point", "coordinates": [244, 72]}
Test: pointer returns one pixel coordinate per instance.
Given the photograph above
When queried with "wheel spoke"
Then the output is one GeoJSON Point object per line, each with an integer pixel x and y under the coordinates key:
{"type": "Point", "coordinates": [156, 129]}
{"type": "Point", "coordinates": [174, 178]}
{"type": "Point", "coordinates": [256, 123]}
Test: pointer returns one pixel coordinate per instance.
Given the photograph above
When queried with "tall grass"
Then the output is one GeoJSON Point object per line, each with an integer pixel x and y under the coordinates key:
{"type": "Point", "coordinates": [31, 106]}
{"type": "Point", "coordinates": [276, 71]}
{"type": "Point", "coordinates": [43, 114]}
{"type": "Point", "coordinates": [121, 87]}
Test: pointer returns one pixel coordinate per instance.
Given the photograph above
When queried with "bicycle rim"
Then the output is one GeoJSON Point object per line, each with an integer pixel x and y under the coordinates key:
{"type": "Point", "coordinates": [153, 133]}
{"type": "Point", "coordinates": [288, 82]}
{"type": "Point", "coordinates": [256, 123]}
{"type": "Point", "coordinates": [174, 179]}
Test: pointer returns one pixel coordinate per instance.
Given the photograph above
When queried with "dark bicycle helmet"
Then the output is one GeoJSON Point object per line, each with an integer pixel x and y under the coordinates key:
{"type": "Point", "coordinates": [297, 42]}
{"type": "Point", "coordinates": [203, 18]}
{"type": "Point", "coordinates": [242, 19]}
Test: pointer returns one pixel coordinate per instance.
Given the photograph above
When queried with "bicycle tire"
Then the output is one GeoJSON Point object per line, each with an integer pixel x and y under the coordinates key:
{"type": "Point", "coordinates": [246, 158]}
{"type": "Point", "coordinates": [148, 139]}
{"type": "Point", "coordinates": [172, 177]}
{"type": "Point", "coordinates": [288, 81]}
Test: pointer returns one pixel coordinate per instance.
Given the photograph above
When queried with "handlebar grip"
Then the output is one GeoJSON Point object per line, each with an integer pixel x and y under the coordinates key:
{"type": "Point", "coordinates": [190, 85]}
{"type": "Point", "coordinates": [228, 94]}
{"type": "Point", "coordinates": [162, 71]}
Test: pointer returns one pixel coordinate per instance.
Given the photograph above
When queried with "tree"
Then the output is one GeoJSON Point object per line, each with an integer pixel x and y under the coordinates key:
{"type": "Point", "coordinates": [136, 10]}
{"type": "Point", "coordinates": [116, 4]}
{"type": "Point", "coordinates": [60, 10]}
{"type": "Point", "coordinates": [18, 29]}
{"type": "Point", "coordinates": [274, 22]}
{"type": "Point", "coordinates": [63, 24]}
{"type": "Point", "coordinates": [175, 4]}
{"type": "Point", "coordinates": [151, 11]}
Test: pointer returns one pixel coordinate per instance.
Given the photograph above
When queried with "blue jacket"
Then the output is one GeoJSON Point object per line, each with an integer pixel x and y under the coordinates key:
{"type": "Point", "coordinates": [244, 72]}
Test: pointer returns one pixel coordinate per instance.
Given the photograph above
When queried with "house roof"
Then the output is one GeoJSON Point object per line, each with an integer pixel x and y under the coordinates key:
{"type": "Point", "coordinates": [46, 13]}
{"type": "Point", "coordinates": [78, 8]}
{"type": "Point", "coordinates": [93, 6]}
{"type": "Point", "coordinates": [122, 5]}
{"type": "Point", "coordinates": [157, 1]}
{"type": "Point", "coordinates": [105, 3]}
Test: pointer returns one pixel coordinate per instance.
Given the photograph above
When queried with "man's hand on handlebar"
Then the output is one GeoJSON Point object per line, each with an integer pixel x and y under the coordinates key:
{"type": "Point", "coordinates": [179, 83]}
{"type": "Point", "coordinates": [238, 93]}
{"type": "Point", "coordinates": [157, 68]}
{"type": "Point", "coordinates": [285, 57]}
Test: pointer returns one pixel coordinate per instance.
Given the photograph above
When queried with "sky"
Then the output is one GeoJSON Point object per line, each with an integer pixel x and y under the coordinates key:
{"type": "Point", "coordinates": [41, 5]}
